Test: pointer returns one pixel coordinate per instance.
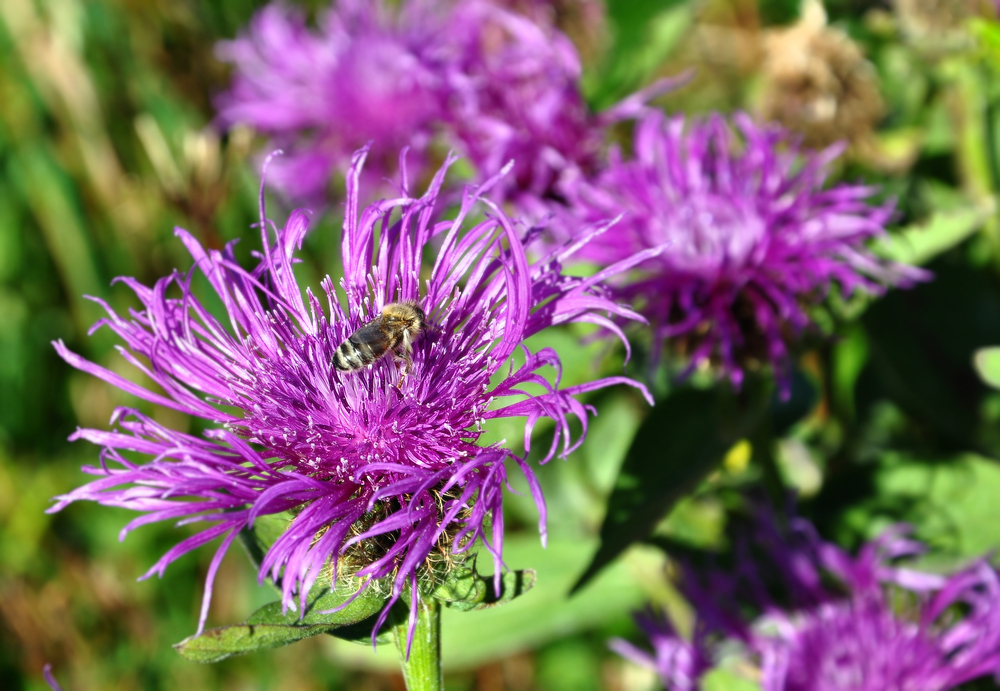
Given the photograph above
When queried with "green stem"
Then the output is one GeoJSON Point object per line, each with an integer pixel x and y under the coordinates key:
{"type": "Point", "coordinates": [422, 670]}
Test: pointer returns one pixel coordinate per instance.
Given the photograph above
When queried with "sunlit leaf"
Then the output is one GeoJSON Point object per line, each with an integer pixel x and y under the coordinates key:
{"type": "Point", "coordinates": [951, 502]}
{"type": "Point", "coordinates": [258, 539]}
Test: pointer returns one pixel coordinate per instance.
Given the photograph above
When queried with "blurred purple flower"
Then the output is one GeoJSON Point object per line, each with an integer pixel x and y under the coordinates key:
{"type": "Point", "coordinates": [494, 84]}
{"type": "Point", "coordinates": [680, 663]}
{"type": "Point", "coordinates": [355, 456]}
{"type": "Point", "coordinates": [514, 95]}
{"type": "Point", "coordinates": [814, 618]}
{"type": "Point", "coordinates": [863, 644]}
{"type": "Point", "coordinates": [754, 238]}
{"type": "Point", "coordinates": [361, 76]}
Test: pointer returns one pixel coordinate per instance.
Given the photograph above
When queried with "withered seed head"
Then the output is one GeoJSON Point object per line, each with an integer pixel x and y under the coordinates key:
{"type": "Point", "coordinates": [818, 83]}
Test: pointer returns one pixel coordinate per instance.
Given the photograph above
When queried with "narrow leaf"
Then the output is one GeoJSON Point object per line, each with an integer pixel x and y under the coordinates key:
{"type": "Point", "coordinates": [215, 645]}
{"type": "Point", "coordinates": [684, 438]}
{"type": "Point", "coordinates": [269, 627]}
{"type": "Point", "coordinates": [919, 345]}
{"type": "Point", "coordinates": [465, 590]}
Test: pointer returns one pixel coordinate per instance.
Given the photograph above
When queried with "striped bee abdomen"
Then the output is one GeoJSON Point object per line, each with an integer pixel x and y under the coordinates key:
{"type": "Point", "coordinates": [365, 346]}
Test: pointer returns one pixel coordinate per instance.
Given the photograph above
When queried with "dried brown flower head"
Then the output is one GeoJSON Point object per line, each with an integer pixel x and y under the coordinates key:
{"type": "Point", "coordinates": [816, 81]}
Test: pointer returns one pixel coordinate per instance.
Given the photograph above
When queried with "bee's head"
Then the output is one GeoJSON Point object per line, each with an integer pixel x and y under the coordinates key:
{"type": "Point", "coordinates": [420, 317]}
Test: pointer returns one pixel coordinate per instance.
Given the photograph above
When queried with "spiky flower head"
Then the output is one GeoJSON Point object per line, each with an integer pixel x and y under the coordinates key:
{"type": "Point", "coordinates": [811, 617]}
{"type": "Point", "coordinates": [364, 458]}
{"type": "Point", "coordinates": [514, 94]}
{"type": "Point", "coordinates": [361, 76]}
{"type": "Point", "coordinates": [753, 236]}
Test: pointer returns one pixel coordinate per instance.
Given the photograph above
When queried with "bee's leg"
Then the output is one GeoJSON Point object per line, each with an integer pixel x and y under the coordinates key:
{"type": "Point", "coordinates": [405, 353]}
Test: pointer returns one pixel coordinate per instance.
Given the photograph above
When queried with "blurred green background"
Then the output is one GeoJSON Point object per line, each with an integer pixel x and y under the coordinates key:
{"type": "Point", "coordinates": [106, 144]}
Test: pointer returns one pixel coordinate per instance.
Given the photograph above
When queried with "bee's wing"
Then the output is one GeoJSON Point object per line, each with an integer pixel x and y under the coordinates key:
{"type": "Point", "coordinates": [373, 336]}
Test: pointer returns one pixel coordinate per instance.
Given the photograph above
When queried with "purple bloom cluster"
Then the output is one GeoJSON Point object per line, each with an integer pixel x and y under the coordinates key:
{"type": "Point", "coordinates": [814, 618]}
{"type": "Point", "coordinates": [514, 95]}
{"type": "Point", "coordinates": [489, 82]}
{"type": "Point", "coordinates": [359, 458]}
{"type": "Point", "coordinates": [754, 238]}
{"type": "Point", "coordinates": [365, 74]}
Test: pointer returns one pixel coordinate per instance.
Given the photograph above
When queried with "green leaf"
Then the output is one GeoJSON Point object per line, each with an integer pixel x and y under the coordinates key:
{"type": "Point", "coordinates": [461, 589]}
{"type": "Point", "coordinates": [645, 34]}
{"type": "Point", "coordinates": [987, 362]}
{"type": "Point", "coordinates": [465, 590]}
{"type": "Point", "coordinates": [850, 355]}
{"type": "Point", "coordinates": [512, 584]}
{"type": "Point", "coordinates": [918, 244]}
{"type": "Point", "coordinates": [919, 344]}
{"type": "Point", "coordinates": [684, 438]}
{"type": "Point", "coordinates": [269, 627]}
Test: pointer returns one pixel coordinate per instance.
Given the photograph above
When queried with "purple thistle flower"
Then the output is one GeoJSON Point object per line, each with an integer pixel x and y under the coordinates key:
{"type": "Point", "coordinates": [754, 239]}
{"type": "Point", "coordinates": [359, 456]}
{"type": "Point", "coordinates": [362, 76]}
{"type": "Point", "coordinates": [896, 628]}
{"type": "Point", "coordinates": [862, 644]}
{"type": "Point", "coordinates": [814, 618]}
{"type": "Point", "coordinates": [497, 86]}
{"type": "Point", "coordinates": [514, 95]}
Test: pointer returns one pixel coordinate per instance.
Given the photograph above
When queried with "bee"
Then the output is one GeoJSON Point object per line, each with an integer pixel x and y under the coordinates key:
{"type": "Point", "coordinates": [393, 331]}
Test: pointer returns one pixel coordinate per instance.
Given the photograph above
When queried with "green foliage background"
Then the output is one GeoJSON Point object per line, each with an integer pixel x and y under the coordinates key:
{"type": "Point", "coordinates": [106, 145]}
